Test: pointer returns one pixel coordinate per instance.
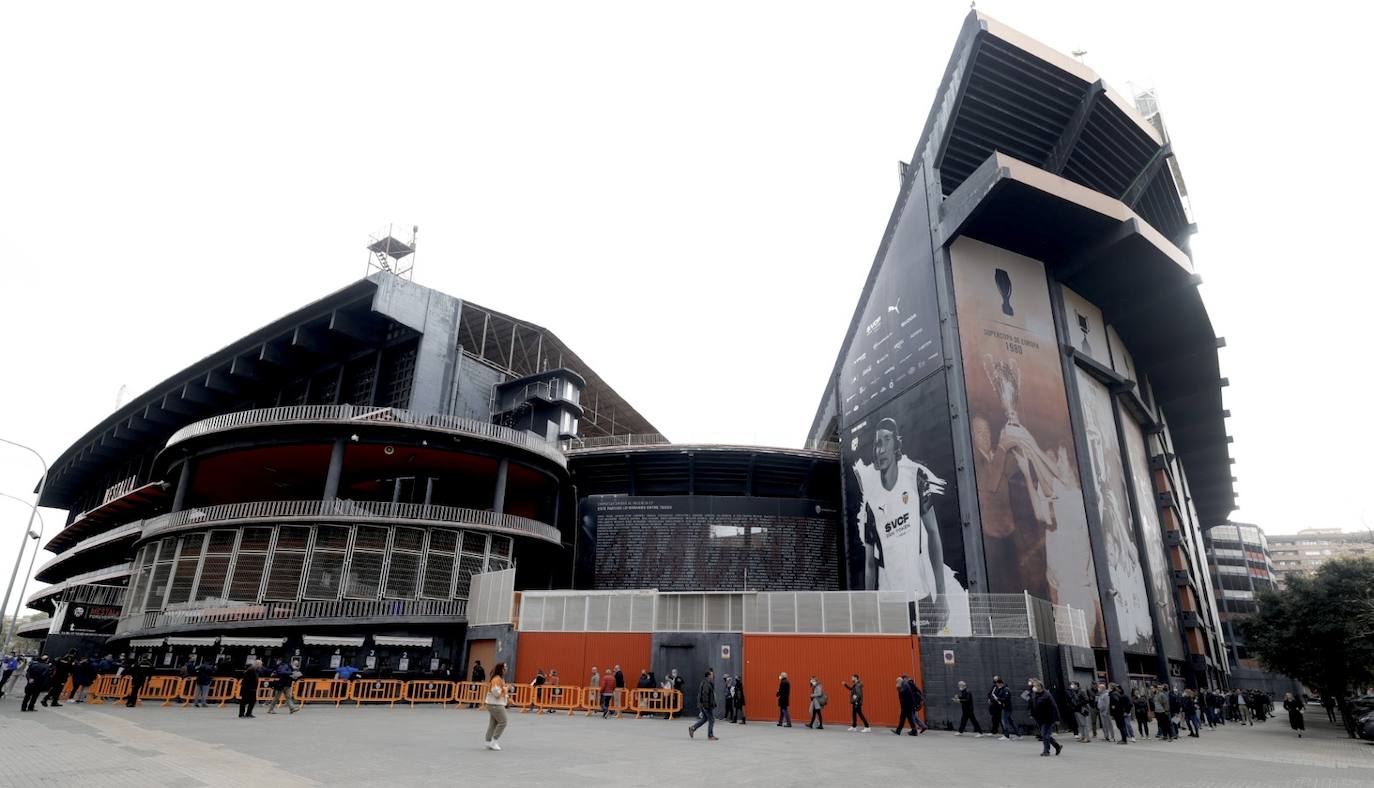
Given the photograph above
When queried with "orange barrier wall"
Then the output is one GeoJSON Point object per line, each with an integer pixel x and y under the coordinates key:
{"type": "Point", "coordinates": [573, 654]}
{"type": "Point", "coordinates": [560, 698]}
{"type": "Point", "coordinates": [376, 691]}
{"type": "Point", "coordinates": [878, 659]}
{"type": "Point", "coordinates": [107, 687]}
{"type": "Point", "coordinates": [469, 693]}
{"type": "Point", "coordinates": [428, 692]}
{"type": "Point", "coordinates": [653, 701]}
{"type": "Point", "coordinates": [333, 691]}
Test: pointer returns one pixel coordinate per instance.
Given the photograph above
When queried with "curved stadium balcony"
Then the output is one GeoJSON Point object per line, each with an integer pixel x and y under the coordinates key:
{"type": "Point", "coordinates": [356, 415]}
{"type": "Point", "coordinates": [104, 575]}
{"type": "Point", "coordinates": [88, 552]}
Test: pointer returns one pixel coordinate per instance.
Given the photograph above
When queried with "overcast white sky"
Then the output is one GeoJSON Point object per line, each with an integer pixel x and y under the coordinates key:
{"type": "Point", "coordinates": [689, 194]}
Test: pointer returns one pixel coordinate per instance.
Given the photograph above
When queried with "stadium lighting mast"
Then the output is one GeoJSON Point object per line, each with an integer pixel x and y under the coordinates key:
{"type": "Point", "coordinates": [33, 512]}
{"type": "Point", "coordinates": [37, 537]}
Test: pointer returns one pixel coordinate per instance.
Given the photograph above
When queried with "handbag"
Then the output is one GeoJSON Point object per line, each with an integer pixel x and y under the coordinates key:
{"type": "Point", "coordinates": [822, 700]}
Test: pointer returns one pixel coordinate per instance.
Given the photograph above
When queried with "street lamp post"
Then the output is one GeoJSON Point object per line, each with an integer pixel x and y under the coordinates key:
{"type": "Point", "coordinates": [33, 512]}
{"type": "Point", "coordinates": [38, 538]}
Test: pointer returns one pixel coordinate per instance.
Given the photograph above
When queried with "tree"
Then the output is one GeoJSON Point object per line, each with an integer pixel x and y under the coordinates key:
{"type": "Point", "coordinates": [21, 645]}
{"type": "Point", "coordinates": [1318, 629]}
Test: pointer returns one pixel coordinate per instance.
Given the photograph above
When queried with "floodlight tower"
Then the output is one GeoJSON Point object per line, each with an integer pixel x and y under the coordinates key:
{"type": "Point", "coordinates": [388, 253]}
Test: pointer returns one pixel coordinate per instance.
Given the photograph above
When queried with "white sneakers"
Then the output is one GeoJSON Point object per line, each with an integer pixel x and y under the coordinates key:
{"type": "Point", "coordinates": [958, 733]}
{"type": "Point", "coordinates": [851, 730]}
{"type": "Point", "coordinates": [1001, 738]}
{"type": "Point", "coordinates": [491, 745]}
{"type": "Point", "coordinates": [865, 730]}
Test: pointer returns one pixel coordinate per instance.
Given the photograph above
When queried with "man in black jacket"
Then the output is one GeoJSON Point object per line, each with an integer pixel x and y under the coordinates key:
{"type": "Point", "coordinates": [61, 670]}
{"type": "Point", "coordinates": [906, 701]}
{"type": "Point", "coordinates": [1119, 706]}
{"type": "Point", "coordinates": [37, 677]}
{"type": "Point", "coordinates": [965, 700]}
{"type": "Point", "coordinates": [784, 695]}
{"type": "Point", "coordinates": [138, 676]}
{"type": "Point", "coordinates": [739, 700]}
{"type": "Point", "coordinates": [1045, 713]}
{"type": "Point", "coordinates": [706, 707]}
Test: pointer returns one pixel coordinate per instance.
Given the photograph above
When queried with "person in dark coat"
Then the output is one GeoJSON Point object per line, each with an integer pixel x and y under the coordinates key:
{"type": "Point", "coordinates": [738, 691]}
{"type": "Point", "coordinates": [906, 702]}
{"type": "Point", "coordinates": [729, 714]}
{"type": "Point", "coordinates": [856, 704]}
{"type": "Point", "coordinates": [83, 676]}
{"type": "Point", "coordinates": [706, 707]}
{"type": "Point", "coordinates": [205, 677]}
{"type": "Point", "coordinates": [37, 678]}
{"type": "Point", "coordinates": [1045, 713]}
{"type": "Point", "coordinates": [1119, 707]}
{"type": "Point", "coordinates": [784, 696]}
{"type": "Point", "coordinates": [1294, 707]}
{"type": "Point", "coordinates": [61, 671]}
{"type": "Point", "coordinates": [248, 689]}
{"type": "Point", "coordinates": [995, 709]}
{"type": "Point", "coordinates": [965, 700]}
{"type": "Point", "coordinates": [1002, 693]}
{"type": "Point", "coordinates": [138, 673]}
{"type": "Point", "coordinates": [1140, 704]}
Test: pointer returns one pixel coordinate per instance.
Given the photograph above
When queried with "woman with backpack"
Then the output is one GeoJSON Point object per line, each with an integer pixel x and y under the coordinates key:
{"type": "Point", "coordinates": [818, 701]}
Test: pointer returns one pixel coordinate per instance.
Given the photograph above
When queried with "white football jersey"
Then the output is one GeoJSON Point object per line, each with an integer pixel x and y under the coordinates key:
{"type": "Point", "coordinates": [904, 563]}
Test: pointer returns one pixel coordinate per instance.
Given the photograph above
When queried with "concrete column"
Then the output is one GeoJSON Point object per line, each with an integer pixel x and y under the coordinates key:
{"type": "Point", "coordinates": [331, 479]}
{"type": "Point", "coordinates": [499, 500]}
{"type": "Point", "coordinates": [183, 485]}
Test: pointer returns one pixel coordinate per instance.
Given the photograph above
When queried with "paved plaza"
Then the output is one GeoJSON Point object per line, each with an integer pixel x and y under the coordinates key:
{"type": "Point", "coordinates": [109, 745]}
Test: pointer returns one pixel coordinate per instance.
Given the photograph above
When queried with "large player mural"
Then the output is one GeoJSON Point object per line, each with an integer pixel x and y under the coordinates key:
{"type": "Point", "coordinates": [903, 521]}
{"type": "Point", "coordinates": [1035, 530]}
{"type": "Point", "coordinates": [1153, 534]}
{"type": "Point", "coordinates": [1136, 629]}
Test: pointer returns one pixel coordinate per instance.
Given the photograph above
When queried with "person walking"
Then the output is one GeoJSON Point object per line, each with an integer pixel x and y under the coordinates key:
{"type": "Point", "coordinates": [995, 710]}
{"type": "Point", "coordinates": [1104, 702]}
{"type": "Point", "coordinates": [1328, 700]}
{"type": "Point", "coordinates": [83, 676]}
{"type": "Point", "coordinates": [286, 676]}
{"type": "Point", "coordinates": [965, 700]}
{"type": "Point", "coordinates": [784, 696]}
{"type": "Point", "coordinates": [138, 676]}
{"type": "Point", "coordinates": [1160, 702]}
{"type": "Point", "coordinates": [1045, 713]}
{"type": "Point", "coordinates": [1294, 707]}
{"type": "Point", "coordinates": [1120, 708]}
{"type": "Point", "coordinates": [1080, 706]}
{"type": "Point", "coordinates": [706, 708]}
{"type": "Point", "coordinates": [7, 668]}
{"type": "Point", "coordinates": [607, 693]}
{"type": "Point", "coordinates": [1189, 708]}
{"type": "Point", "coordinates": [818, 701]}
{"type": "Point", "coordinates": [906, 703]}
{"type": "Point", "coordinates": [61, 671]}
{"type": "Point", "coordinates": [36, 681]}
{"type": "Point", "coordinates": [739, 700]}
{"type": "Point", "coordinates": [729, 715]}
{"type": "Point", "coordinates": [1141, 706]}
{"type": "Point", "coordinates": [248, 689]}
{"type": "Point", "coordinates": [1003, 694]}
{"type": "Point", "coordinates": [205, 677]}
{"type": "Point", "coordinates": [918, 699]}
{"type": "Point", "coordinates": [856, 703]}
{"type": "Point", "coordinates": [497, 696]}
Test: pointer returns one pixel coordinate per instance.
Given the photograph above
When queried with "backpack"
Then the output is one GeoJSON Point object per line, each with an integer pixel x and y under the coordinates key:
{"type": "Point", "coordinates": [822, 700]}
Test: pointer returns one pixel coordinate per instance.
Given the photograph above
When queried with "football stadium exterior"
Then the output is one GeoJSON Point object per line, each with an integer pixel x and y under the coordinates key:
{"type": "Point", "coordinates": [1023, 437]}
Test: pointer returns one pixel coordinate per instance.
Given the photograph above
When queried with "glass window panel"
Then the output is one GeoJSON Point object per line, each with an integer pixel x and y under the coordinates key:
{"type": "Point", "coordinates": [161, 573]}
{"type": "Point", "coordinates": [247, 577]}
{"type": "Point", "coordinates": [466, 566]}
{"type": "Point", "coordinates": [331, 537]}
{"type": "Point", "coordinates": [408, 539]}
{"type": "Point", "coordinates": [370, 538]}
{"type": "Point", "coordinates": [402, 575]}
{"type": "Point", "coordinates": [364, 575]}
{"type": "Point", "coordinates": [169, 548]}
{"type": "Point", "coordinates": [293, 537]}
{"type": "Point", "coordinates": [500, 545]}
{"type": "Point", "coordinates": [190, 545]}
{"type": "Point", "coordinates": [285, 578]}
{"type": "Point", "coordinates": [256, 539]}
{"type": "Point", "coordinates": [222, 541]}
{"type": "Point", "coordinates": [212, 577]}
{"type": "Point", "coordinates": [323, 580]}
{"type": "Point", "coordinates": [183, 577]}
{"type": "Point", "coordinates": [443, 541]}
{"type": "Point", "coordinates": [474, 543]}
{"type": "Point", "coordinates": [438, 575]}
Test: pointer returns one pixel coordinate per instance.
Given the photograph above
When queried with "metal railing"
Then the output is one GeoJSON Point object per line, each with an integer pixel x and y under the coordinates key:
{"type": "Point", "coordinates": [112, 535]}
{"type": "Point", "coordinates": [605, 441]}
{"type": "Point", "coordinates": [830, 447]}
{"type": "Point", "coordinates": [107, 573]}
{"type": "Point", "coordinates": [357, 414]}
{"type": "Point", "coordinates": [349, 609]}
{"type": "Point", "coordinates": [342, 511]}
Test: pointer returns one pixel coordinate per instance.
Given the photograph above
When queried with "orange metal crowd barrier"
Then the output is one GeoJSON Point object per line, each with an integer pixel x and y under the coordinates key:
{"type": "Point", "coordinates": [591, 701]}
{"type": "Point", "coordinates": [222, 689]}
{"type": "Point", "coordinates": [163, 688]}
{"type": "Point", "coordinates": [110, 687]}
{"type": "Point", "coordinates": [321, 691]}
{"type": "Point", "coordinates": [519, 696]}
{"type": "Point", "coordinates": [558, 698]}
{"type": "Point", "coordinates": [376, 691]}
{"type": "Point", "coordinates": [655, 701]}
{"type": "Point", "coordinates": [266, 689]}
{"type": "Point", "coordinates": [428, 692]}
{"type": "Point", "coordinates": [470, 693]}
